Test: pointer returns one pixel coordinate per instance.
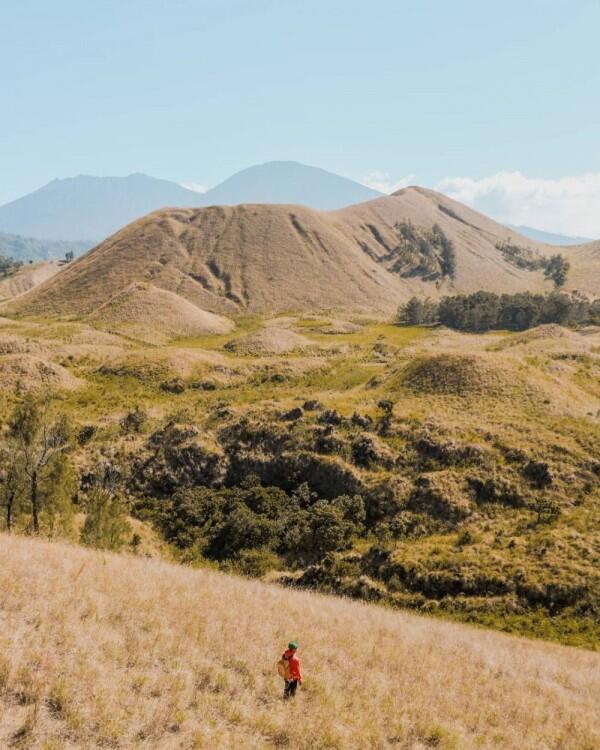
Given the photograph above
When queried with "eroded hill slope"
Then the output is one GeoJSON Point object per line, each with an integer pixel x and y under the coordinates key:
{"type": "Point", "coordinates": [264, 258]}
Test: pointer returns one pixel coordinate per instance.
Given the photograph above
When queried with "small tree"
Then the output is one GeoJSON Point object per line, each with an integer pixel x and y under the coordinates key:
{"type": "Point", "coordinates": [69, 256]}
{"type": "Point", "coordinates": [328, 530]}
{"type": "Point", "coordinates": [38, 441]}
{"type": "Point", "coordinates": [547, 509]}
{"type": "Point", "coordinates": [106, 525]}
{"type": "Point", "coordinates": [11, 487]}
{"type": "Point", "coordinates": [56, 495]}
{"type": "Point", "coordinates": [417, 312]}
{"type": "Point", "coordinates": [557, 269]}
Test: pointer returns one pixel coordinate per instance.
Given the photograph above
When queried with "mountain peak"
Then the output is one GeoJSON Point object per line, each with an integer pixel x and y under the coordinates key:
{"type": "Point", "coordinates": [289, 183]}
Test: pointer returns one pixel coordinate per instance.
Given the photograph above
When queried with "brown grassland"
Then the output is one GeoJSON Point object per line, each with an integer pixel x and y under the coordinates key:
{"type": "Point", "coordinates": [100, 650]}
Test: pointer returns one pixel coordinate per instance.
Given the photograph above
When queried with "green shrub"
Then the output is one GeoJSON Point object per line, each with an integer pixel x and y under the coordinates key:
{"type": "Point", "coordinates": [106, 525]}
{"type": "Point", "coordinates": [134, 421]}
{"type": "Point", "coordinates": [255, 562]}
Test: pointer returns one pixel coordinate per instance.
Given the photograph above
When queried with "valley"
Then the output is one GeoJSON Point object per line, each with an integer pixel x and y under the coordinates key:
{"type": "Point", "coordinates": [450, 473]}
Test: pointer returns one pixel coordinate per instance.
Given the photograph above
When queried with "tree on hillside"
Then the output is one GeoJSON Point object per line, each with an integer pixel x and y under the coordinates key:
{"type": "Point", "coordinates": [11, 487]}
{"type": "Point", "coordinates": [106, 525]}
{"type": "Point", "coordinates": [69, 256]}
{"type": "Point", "coordinates": [448, 254]}
{"type": "Point", "coordinates": [557, 269]}
{"type": "Point", "coordinates": [38, 442]}
{"type": "Point", "coordinates": [417, 312]}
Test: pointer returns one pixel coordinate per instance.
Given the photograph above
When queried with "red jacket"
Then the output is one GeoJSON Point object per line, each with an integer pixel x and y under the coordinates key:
{"type": "Point", "coordinates": [294, 663]}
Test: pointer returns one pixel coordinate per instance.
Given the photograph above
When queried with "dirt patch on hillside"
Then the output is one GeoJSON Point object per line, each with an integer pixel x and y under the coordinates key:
{"type": "Point", "coordinates": [28, 372]}
{"type": "Point", "coordinates": [11, 344]}
{"type": "Point", "coordinates": [269, 340]}
{"type": "Point", "coordinates": [340, 326]}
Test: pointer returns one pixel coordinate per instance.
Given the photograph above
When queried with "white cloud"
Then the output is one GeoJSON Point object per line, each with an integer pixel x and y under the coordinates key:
{"type": "Point", "coordinates": [567, 205]}
{"type": "Point", "coordinates": [194, 187]}
{"type": "Point", "coordinates": [384, 183]}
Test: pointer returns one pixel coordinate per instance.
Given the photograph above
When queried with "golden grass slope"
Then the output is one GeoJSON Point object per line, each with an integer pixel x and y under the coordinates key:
{"type": "Point", "coordinates": [225, 259]}
{"type": "Point", "coordinates": [480, 265]}
{"type": "Point", "coordinates": [274, 258]}
{"type": "Point", "coordinates": [170, 315]}
{"type": "Point", "coordinates": [98, 650]}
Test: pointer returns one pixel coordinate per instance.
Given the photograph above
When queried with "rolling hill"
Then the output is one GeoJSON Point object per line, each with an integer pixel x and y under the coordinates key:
{"type": "Point", "coordinates": [100, 650]}
{"type": "Point", "coordinates": [269, 258]}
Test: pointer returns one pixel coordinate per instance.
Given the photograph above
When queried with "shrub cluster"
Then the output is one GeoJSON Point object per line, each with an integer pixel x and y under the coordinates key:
{"type": "Point", "coordinates": [225, 524]}
{"type": "Point", "coordinates": [485, 311]}
{"type": "Point", "coordinates": [428, 254]}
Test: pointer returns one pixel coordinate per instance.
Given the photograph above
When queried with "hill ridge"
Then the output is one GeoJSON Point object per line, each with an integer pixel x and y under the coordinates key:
{"type": "Point", "coordinates": [260, 258]}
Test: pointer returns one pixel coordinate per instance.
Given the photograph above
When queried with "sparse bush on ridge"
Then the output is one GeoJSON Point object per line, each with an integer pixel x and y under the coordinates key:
{"type": "Point", "coordinates": [556, 267]}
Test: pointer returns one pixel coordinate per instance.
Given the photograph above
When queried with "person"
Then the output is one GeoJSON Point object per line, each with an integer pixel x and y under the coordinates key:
{"type": "Point", "coordinates": [291, 672]}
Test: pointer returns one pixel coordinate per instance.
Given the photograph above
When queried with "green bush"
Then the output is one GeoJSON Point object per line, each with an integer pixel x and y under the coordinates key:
{"type": "Point", "coordinates": [255, 562]}
{"type": "Point", "coordinates": [106, 525]}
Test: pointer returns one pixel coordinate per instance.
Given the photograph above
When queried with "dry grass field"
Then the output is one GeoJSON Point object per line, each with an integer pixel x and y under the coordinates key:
{"type": "Point", "coordinates": [100, 650]}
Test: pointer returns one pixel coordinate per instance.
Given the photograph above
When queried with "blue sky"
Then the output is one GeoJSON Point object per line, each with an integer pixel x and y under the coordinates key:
{"type": "Point", "coordinates": [384, 92]}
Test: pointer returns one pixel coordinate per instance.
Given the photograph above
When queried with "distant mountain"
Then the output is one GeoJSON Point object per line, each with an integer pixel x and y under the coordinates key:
{"type": "Point", "coordinates": [30, 249]}
{"type": "Point", "coordinates": [550, 239]}
{"type": "Point", "coordinates": [90, 208]}
{"type": "Point", "coordinates": [289, 182]}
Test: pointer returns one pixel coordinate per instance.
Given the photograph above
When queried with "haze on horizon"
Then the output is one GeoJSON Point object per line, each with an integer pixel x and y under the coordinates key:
{"type": "Point", "coordinates": [501, 115]}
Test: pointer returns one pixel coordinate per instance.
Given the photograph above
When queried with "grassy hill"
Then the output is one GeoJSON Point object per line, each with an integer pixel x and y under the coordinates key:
{"type": "Point", "coordinates": [98, 650]}
{"type": "Point", "coordinates": [272, 258]}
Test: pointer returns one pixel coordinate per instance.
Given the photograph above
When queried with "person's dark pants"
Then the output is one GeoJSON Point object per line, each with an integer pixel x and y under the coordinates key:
{"type": "Point", "coordinates": [289, 691]}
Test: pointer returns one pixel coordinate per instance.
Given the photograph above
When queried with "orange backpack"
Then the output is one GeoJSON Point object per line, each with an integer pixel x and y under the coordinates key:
{"type": "Point", "coordinates": [283, 668]}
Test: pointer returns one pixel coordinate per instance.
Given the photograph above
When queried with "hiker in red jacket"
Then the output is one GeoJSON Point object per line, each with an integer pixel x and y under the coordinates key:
{"type": "Point", "coordinates": [289, 669]}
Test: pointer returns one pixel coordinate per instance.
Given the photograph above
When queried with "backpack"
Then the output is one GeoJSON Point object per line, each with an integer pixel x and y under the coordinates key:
{"type": "Point", "coordinates": [283, 668]}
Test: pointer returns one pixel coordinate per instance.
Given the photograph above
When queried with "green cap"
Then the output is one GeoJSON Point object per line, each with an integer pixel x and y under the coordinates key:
{"type": "Point", "coordinates": [293, 645]}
